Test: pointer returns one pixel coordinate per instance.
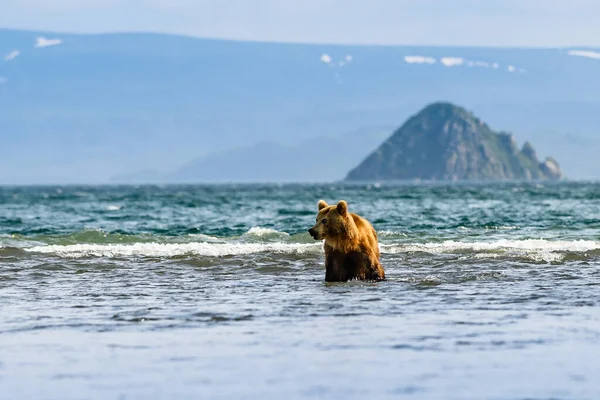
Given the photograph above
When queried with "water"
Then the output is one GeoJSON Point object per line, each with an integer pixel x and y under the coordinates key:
{"type": "Point", "coordinates": [218, 292]}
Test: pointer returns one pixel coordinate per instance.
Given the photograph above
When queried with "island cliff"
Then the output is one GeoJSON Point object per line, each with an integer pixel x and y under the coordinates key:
{"type": "Point", "coordinates": [446, 142]}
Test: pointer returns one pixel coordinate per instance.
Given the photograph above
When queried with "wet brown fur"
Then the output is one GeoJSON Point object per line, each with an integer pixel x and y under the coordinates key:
{"type": "Point", "coordinates": [351, 247]}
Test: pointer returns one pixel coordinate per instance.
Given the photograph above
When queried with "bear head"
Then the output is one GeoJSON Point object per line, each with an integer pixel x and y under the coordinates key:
{"type": "Point", "coordinates": [333, 222]}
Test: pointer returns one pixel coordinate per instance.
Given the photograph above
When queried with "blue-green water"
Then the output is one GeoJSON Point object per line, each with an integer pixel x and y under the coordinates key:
{"type": "Point", "coordinates": [218, 292]}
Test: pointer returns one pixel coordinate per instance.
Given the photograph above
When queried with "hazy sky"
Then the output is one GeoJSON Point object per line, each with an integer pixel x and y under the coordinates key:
{"type": "Point", "coordinates": [445, 22]}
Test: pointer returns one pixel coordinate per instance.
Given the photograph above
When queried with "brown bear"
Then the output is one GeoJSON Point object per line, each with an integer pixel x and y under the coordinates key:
{"type": "Point", "coordinates": [351, 248]}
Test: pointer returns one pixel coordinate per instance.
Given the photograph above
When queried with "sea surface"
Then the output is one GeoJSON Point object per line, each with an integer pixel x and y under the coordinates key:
{"type": "Point", "coordinates": [218, 292]}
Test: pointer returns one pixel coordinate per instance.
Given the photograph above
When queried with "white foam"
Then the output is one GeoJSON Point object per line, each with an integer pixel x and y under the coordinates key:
{"type": "Point", "coordinates": [585, 53]}
{"type": "Point", "coordinates": [419, 60]}
{"type": "Point", "coordinates": [506, 244]}
{"type": "Point", "coordinates": [200, 237]}
{"type": "Point", "coordinates": [534, 249]}
{"type": "Point", "coordinates": [326, 58]}
{"type": "Point", "coordinates": [41, 42]}
{"type": "Point", "coordinates": [258, 231]}
{"type": "Point", "coordinates": [174, 249]}
{"type": "Point", "coordinates": [113, 208]}
{"type": "Point", "coordinates": [12, 55]}
{"type": "Point", "coordinates": [384, 233]}
{"type": "Point", "coordinates": [512, 68]}
{"type": "Point", "coordinates": [452, 61]}
{"type": "Point", "coordinates": [503, 228]}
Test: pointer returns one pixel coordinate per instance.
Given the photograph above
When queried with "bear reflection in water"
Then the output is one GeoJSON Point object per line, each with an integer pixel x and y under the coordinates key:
{"type": "Point", "coordinates": [351, 248]}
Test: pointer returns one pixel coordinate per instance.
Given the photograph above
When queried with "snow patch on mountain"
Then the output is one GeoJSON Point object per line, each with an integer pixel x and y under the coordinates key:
{"type": "Point", "coordinates": [12, 55]}
{"type": "Point", "coordinates": [419, 60]}
{"type": "Point", "coordinates": [585, 53]}
{"type": "Point", "coordinates": [451, 62]}
{"type": "Point", "coordinates": [41, 42]}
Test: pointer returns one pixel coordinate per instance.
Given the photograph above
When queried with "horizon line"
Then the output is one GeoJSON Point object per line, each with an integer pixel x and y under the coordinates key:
{"type": "Point", "coordinates": [290, 42]}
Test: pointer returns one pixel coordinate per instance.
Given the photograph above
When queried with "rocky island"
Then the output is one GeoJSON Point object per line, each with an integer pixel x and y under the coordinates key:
{"type": "Point", "coordinates": [446, 142]}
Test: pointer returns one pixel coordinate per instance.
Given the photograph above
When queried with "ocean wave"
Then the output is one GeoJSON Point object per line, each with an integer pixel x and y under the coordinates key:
{"type": "Point", "coordinates": [390, 234]}
{"type": "Point", "coordinates": [504, 244]}
{"type": "Point", "coordinates": [97, 236]}
{"type": "Point", "coordinates": [10, 251]}
{"type": "Point", "coordinates": [15, 241]}
{"type": "Point", "coordinates": [174, 249]}
{"type": "Point", "coordinates": [197, 237]}
{"type": "Point", "coordinates": [539, 250]}
{"type": "Point", "coordinates": [258, 231]}
{"type": "Point", "coordinates": [533, 249]}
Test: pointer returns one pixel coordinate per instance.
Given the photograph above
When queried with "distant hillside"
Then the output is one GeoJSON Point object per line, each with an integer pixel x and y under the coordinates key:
{"type": "Point", "coordinates": [85, 108]}
{"type": "Point", "coordinates": [446, 142]}
{"type": "Point", "coordinates": [319, 159]}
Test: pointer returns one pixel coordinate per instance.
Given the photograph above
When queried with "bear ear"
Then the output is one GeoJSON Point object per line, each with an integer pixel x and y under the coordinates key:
{"type": "Point", "coordinates": [342, 207]}
{"type": "Point", "coordinates": [322, 204]}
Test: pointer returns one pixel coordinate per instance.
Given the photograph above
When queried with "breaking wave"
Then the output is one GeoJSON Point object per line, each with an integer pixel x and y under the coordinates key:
{"type": "Point", "coordinates": [503, 244]}
{"type": "Point", "coordinates": [530, 249]}
{"type": "Point", "coordinates": [533, 249]}
{"type": "Point", "coordinates": [174, 249]}
{"type": "Point", "coordinates": [258, 231]}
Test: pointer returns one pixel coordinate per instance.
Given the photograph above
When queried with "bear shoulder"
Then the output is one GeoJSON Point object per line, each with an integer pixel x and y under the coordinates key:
{"type": "Point", "coordinates": [362, 224]}
{"type": "Point", "coordinates": [365, 231]}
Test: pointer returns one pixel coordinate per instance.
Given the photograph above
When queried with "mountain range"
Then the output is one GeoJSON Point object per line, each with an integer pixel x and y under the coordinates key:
{"type": "Point", "coordinates": [154, 107]}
